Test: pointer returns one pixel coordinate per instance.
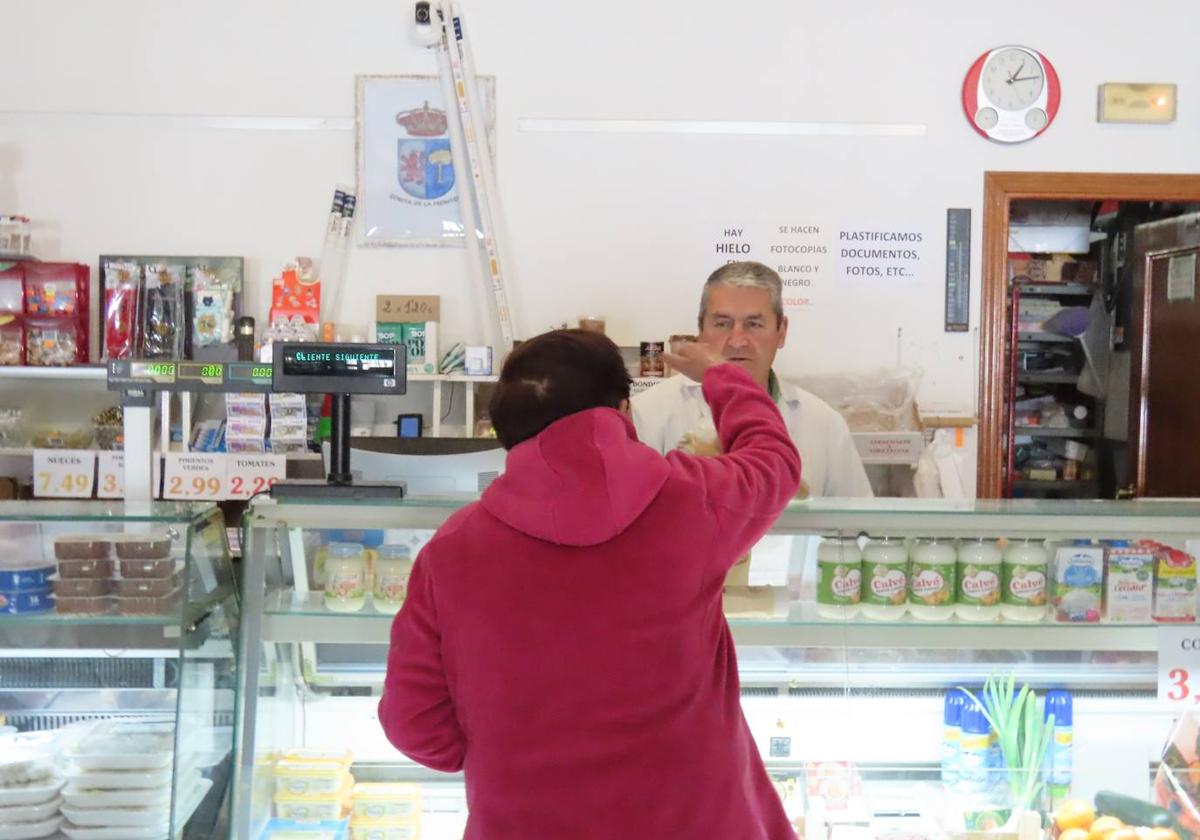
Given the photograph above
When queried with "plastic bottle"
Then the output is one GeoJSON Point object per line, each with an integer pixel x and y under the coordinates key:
{"type": "Point", "coordinates": [1024, 581]}
{"type": "Point", "coordinates": [885, 579]}
{"type": "Point", "coordinates": [952, 710]}
{"type": "Point", "coordinates": [979, 571]}
{"type": "Point", "coordinates": [392, 570]}
{"type": "Point", "coordinates": [932, 580]}
{"type": "Point", "coordinates": [1059, 755]}
{"type": "Point", "coordinates": [974, 749]}
{"type": "Point", "coordinates": [346, 577]}
{"type": "Point", "coordinates": [839, 578]}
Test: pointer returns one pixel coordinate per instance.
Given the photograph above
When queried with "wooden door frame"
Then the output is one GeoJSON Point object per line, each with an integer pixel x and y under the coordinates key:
{"type": "Point", "coordinates": [1000, 189]}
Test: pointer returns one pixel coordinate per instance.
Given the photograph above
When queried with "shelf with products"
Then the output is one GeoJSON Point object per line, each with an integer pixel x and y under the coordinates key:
{"type": "Point", "coordinates": [866, 695]}
{"type": "Point", "coordinates": [117, 660]}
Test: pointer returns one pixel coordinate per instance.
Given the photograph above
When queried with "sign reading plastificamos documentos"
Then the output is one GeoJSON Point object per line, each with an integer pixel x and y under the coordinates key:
{"type": "Point", "coordinates": [886, 254]}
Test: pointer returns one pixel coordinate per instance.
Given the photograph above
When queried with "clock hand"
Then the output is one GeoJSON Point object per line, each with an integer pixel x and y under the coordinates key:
{"type": "Point", "coordinates": [1024, 78]}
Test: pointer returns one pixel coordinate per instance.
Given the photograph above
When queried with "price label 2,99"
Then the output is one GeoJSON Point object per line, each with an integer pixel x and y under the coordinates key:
{"type": "Point", "coordinates": [64, 473]}
{"type": "Point", "coordinates": [1179, 665]}
{"type": "Point", "coordinates": [193, 476]}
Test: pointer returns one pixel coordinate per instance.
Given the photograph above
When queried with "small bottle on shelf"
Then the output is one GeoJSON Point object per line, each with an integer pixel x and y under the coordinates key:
{"type": "Point", "coordinates": [885, 580]}
{"type": "Point", "coordinates": [932, 580]}
{"type": "Point", "coordinates": [839, 578]}
{"type": "Point", "coordinates": [1024, 581]}
{"type": "Point", "coordinates": [979, 570]}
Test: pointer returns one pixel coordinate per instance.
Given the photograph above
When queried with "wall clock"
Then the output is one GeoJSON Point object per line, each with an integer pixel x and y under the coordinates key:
{"type": "Point", "coordinates": [1011, 94]}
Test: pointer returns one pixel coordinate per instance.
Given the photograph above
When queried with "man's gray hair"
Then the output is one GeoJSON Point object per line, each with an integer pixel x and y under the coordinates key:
{"type": "Point", "coordinates": [745, 275]}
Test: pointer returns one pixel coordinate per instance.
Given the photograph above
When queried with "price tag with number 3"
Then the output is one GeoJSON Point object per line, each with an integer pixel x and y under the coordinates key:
{"type": "Point", "coordinates": [1179, 665]}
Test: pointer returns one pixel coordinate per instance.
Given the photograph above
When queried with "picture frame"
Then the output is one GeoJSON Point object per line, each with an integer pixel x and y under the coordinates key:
{"type": "Point", "coordinates": [407, 185]}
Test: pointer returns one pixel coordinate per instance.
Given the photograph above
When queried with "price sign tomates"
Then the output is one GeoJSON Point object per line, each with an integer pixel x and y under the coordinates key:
{"type": "Point", "coordinates": [63, 473]}
{"type": "Point", "coordinates": [191, 476]}
{"type": "Point", "coordinates": [110, 475]}
{"type": "Point", "coordinates": [1179, 665]}
{"type": "Point", "coordinates": [249, 475]}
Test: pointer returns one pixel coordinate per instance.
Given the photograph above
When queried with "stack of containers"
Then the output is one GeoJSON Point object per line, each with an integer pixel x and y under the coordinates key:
{"type": "Point", "coordinates": [313, 785]}
{"type": "Point", "coordinates": [119, 784]}
{"type": "Point", "coordinates": [143, 580]}
{"type": "Point", "coordinates": [29, 790]}
{"type": "Point", "coordinates": [385, 811]}
{"type": "Point", "coordinates": [289, 423]}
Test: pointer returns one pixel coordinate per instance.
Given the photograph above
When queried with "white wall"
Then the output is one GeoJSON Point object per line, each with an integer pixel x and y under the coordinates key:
{"type": "Point", "coordinates": [98, 138]}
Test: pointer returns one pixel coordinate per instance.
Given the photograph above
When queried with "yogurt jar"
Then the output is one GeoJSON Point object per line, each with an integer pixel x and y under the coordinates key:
{"type": "Point", "coordinates": [393, 567]}
{"type": "Point", "coordinates": [1024, 581]}
{"type": "Point", "coordinates": [839, 578]}
{"type": "Point", "coordinates": [345, 577]}
{"type": "Point", "coordinates": [933, 580]}
{"type": "Point", "coordinates": [885, 580]}
{"type": "Point", "coordinates": [979, 581]}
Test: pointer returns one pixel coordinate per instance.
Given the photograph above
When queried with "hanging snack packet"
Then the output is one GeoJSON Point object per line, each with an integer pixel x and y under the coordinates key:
{"type": "Point", "coordinates": [120, 308]}
{"type": "Point", "coordinates": [162, 312]}
{"type": "Point", "coordinates": [212, 308]}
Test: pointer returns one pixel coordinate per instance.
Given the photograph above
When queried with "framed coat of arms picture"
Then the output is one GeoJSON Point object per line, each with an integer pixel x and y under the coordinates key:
{"type": "Point", "coordinates": [407, 183]}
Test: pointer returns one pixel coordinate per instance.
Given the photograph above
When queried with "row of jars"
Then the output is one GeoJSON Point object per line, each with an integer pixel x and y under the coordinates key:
{"type": "Point", "coordinates": [933, 579]}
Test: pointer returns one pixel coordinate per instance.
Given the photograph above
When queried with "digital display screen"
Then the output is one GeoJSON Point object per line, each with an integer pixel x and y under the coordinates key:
{"type": "Point", "coordinates": [248, 372]}
{"type": "Point", "coordinates": [211, 373]}
{"type": "Point", "coordinates": [153, 371]}
{"type": "Point", "coordinates": [339, 361]}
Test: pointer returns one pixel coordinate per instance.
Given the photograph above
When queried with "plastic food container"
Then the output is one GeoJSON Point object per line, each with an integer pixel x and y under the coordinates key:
{"type": "Point", "coordinates": [35, 794]}
{"type": "Point", "coordinates": [85, 568]}
{"type": "Point", "coordinates": [143, 547]}
{"type": "Point", "coordinates": [26, 601]}
{"type": "Point", "coordinates": [152, 587]}
{"type": "Point", "coordinates": [80, 797]}
{"type": "Point", "coordinates": [148, 604]}
{"type": "Point", "coordinates": [82, 547]}
{"type": "Point", "coordinates": [147, 568]}
{"type": "Point", "coordinates": [30, 813]}
{"type": "Point", "coordinates": [82, 587]}
{"type": "Point", "coordinates": [278, 829]}
{"type": "Point", "coordinates": [312, 779]}
{"type": "Point", "coordinates": [30, 830]}
{"type": "Point", "coordinates": [309, 810]}
{"type": "Point", "coordinates": [400, 831]}
{"type": "Point", "coordinates": [99, 605]}
{"type": "Point", "coordinates": [131, 823]}
{"type": "Point", "coordinates": [115, 745]}
{"type": "Point", "coordinates": [31, 577]}
{"type": "Point", "coordinates": [122, 779]}
{"type": "Point", "coordinates": [385, 802]}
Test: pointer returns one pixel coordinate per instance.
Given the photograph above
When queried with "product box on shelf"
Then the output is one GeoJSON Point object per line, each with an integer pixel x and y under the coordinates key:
{"type": "Point", "coordinates": [1078, 582]}
{"type": "Point", "coordinates": [1129, 582]}
{"type": "Point", "coordinates": [43, 313]}
{"type": "Point", "coordinates": [1174, 586]}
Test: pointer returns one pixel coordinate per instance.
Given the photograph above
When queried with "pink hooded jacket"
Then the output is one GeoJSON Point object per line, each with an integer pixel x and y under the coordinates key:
{"type": "Point", "coordinates": [562, 640]}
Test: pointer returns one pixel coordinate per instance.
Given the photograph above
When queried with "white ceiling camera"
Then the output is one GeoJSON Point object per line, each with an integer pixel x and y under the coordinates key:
{"type": "Point", "coordinates": [426, 30]}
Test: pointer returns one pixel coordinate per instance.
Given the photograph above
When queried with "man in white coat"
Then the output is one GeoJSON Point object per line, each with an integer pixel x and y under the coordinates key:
{"type": "Point", "coordinates": [741, 317]}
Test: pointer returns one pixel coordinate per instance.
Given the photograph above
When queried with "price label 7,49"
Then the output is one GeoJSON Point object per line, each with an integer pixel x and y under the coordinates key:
{"type": "Point", "coordinates": [64, 473]}
{"type": "Point", "coordinates": [193, 476]}
{"type": "Point", "coordinates": [1179, 665]}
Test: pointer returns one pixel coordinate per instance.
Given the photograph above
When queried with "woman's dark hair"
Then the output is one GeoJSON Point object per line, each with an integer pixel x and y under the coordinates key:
{"type": "Point", "coordinates": [555, 374]}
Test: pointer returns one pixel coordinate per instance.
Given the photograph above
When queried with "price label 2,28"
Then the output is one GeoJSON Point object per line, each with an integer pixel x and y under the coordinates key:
{"type": "Point", "coordinates": [249, 475]}
{"type": "Point", "coordinates": [193, 476]}
{"type": "Point", "coordinates": [1179, 665]}
{"type": "Point", "coordinates": [64, 473]}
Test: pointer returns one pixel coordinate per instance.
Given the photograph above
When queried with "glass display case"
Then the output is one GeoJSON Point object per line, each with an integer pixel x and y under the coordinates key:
{"type": "Point", "coordinates": [899, 661]}
{"type": "Point", "coordinates": [118, 652]}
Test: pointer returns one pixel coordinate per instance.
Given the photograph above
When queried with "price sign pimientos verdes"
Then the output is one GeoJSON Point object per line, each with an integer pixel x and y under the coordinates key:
{"type": "Point", "coordinates": [193, 475]}
{"type": "Point", "coordinates": [1179, 665]}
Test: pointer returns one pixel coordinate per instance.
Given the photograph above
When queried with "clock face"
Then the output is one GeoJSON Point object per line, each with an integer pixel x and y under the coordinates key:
{"type": "Point", "coordinates": [1011, 94]}
{"type": "Point", "coordinates": [1013, 79]}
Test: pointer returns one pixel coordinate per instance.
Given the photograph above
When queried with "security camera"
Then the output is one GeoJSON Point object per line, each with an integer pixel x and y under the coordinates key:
{"type": "Point", "coordinates": [425, 32]}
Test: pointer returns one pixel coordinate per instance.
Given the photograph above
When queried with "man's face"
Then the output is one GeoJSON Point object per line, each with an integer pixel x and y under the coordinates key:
{"type": "Point", "coordinates": [740, 325]}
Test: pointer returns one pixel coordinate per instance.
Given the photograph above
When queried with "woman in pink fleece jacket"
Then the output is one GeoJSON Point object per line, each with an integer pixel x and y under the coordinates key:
{"type": "Point", "coordinates": [562, 641]}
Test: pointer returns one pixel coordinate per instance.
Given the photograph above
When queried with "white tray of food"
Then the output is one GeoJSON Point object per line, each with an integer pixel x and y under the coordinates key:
{"type": "Point", "coordinates": [121, 745]}
{"type": "Point", "coordinates": [30, 813]}
{"type": "Point", "coordinates": [31, 794]}
{"type": "Point", "coordinates": [31, 830]}
{"type": "Point", "coordinates": [121, 779]}
{"type": "Point", "coordinates": [133, 823]}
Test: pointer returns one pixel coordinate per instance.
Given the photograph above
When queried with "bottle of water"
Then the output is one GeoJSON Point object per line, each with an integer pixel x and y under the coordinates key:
{"type": "Point", "coordinates": [952, 712]}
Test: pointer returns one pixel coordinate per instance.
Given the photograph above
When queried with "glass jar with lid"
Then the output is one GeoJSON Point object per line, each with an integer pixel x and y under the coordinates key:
{"type": "Point", "coordinates": [393, 567]}
{"type": "Point", "coordinates": [345, 577]}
